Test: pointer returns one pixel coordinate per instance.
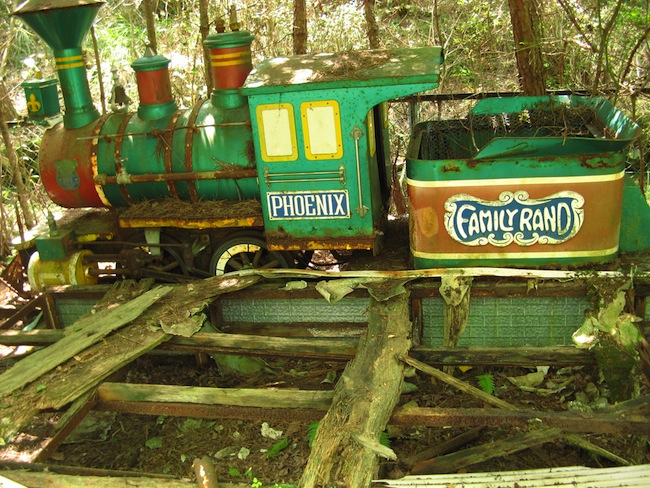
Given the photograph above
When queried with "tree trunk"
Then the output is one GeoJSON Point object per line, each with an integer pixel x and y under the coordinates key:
{"type": "Point", "coordinates": [371, 23]}
{"type": "Point", "coordinates": [300, 27]}
{"type": "Point", "coordinates": [347, 444]}
{"type": "Point", "coordinates": [528, 52]}
{"type": "Point", "coordinates": [6, 107]}
{"type": "Point", "coordinates": [204, 28]}
{"type": "Point", "coordinates": [16, 168]}
{"type": "Point", "coordinates": [151, 27]}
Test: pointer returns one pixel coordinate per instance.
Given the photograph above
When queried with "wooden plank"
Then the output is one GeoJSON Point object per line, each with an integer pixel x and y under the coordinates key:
{"type": "Point", "coordinates": [449, 463]}
{"type": "Point", "coordinates": [54, 480]}
{"type": "Point", "coordinates": [642, 276]}
{"type": "Point", "coordinates": [22, 312]}
{"type": "Point", "coordinates": [334, 330]}
{"type": "Point", "coordinates": [50, 312]}
{"type": "Point", "coordinates": [87, 369]}
{"type": "Point", "coordinates": [36, 337]}
{"type": "Point", "coordinates": [503, 356]}
{"type": "Point", "coordinates": [579, 422]}
{"type": "Point", "coordinates": [85, 332]}
{"type": "Point", "coordinates": [239, 397]}
{"type": "Point", "coordinates": [263, 345]}
{"type": "Point", "coordinates": [572, 476]}
{"type": "Point", "coordinates": [66, 424]}
{"type": "Point", "coordinates": [341, 348]}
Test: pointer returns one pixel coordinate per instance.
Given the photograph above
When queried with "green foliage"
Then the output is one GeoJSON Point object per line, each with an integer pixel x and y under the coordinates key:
{"type": "Point", "coordinates": [312, 429]}
{"type": "Point", "coordinates": [154, 443]}
{"type": "Point", "coordinates": [486, 383]}
{"type": "Point", "coordinates": [277, 448]}
{"type": "Point", "coordinates": [190, 426]}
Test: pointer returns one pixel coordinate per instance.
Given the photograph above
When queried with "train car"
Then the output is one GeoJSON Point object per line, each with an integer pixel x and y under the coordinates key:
{"type": "Point", "coordinates": [294, 156]}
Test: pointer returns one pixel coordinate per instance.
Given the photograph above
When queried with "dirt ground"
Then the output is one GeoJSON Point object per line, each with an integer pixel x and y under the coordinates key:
{"type": "Point", "coordinates": [242, 452]}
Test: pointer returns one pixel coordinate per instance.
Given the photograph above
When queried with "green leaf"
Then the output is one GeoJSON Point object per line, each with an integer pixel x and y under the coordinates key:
{"type": "Point", "coordinates": [486, 383]}
{"type": "Point", "coordinates": [234, 473]}
{"type": "Point", "coordinates": [277, 448]}
{"type": "Point", "coordinates": [41, 387]}
{"type": "Point", "coordinates": [311, 432]}
{"type": "Point", "coordinates": [154, 443]}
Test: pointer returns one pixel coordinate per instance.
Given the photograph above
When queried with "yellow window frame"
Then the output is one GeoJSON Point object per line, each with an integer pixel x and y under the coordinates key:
{"type": "Point", "coordinates": [372, 141]}
{"type": "Point", "coordinates": [270, 133]}
{"type": "Point", "coordinates": [334, 130]}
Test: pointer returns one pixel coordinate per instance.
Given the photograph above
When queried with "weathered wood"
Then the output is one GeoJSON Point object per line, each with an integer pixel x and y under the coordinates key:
{"type": "Point", "coordinates": [22, 312]}
{"type": "Point", "coordinates": [450, 445]}
{"type": "Point", "coordinates": [241, 397]}
{"type": "Point", "coordinates": [85, 332]}
{"type": "Point", "coordinates": [66, 424]}
{"type": "Point", "coordinates": [572, 438]}
{"type": "Point", "coordinates": [262, 345]}
{"type": "Point", "coordinates": [334, 330]}
{"type": "Point", "coordinates": [578, 422]}
{"type": "Point", "coordinates": [76, 376]}
{"type": "Point", "coordinates": [365, 396]}
{"type": "Point", "coordinates": [449, 463]}
{"type": "Point", "coordinates": [571, 476]}
{"type": "Point", "coordinates": [455, 291]}
{"type": "Point", "coordinates": [341, 348]}
{"type": "Point", "coordinates": [53, 480]}
{"type": "Point", "coordinates": [503, 356]}
{"type": "Point", "coordinates": [549, 274]}
{"type": "Point", "coordinates": [458, 384]}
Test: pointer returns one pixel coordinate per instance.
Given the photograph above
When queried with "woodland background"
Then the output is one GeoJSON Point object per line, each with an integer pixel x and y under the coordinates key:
{"type": "Point", "coordinates": [598, 46]}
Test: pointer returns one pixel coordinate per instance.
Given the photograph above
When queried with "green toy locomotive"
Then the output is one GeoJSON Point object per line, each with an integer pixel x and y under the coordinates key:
{"type": "Point", "coordinates": [294, 156]}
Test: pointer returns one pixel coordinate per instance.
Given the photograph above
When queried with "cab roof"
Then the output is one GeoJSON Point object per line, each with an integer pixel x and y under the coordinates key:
{"type": "Point", "coordinates": [345, 70]}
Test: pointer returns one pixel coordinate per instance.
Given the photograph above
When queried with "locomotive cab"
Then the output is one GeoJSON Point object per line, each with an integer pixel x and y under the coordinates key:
{"type": "Point", "coordinates": [320, 131]}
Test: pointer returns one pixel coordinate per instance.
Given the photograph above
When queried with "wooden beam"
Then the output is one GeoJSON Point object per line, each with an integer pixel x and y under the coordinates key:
{"type": "Point", "coordinates": [239, 397]}
{"type": "Point", "coordinates": [454, 461]}
{"type": "Point", "coordinates": [266, 346]}
{"type": "Point", "coordinates": [340, 348]}
{"type": "Point", "coordinates": [578, 422]}
{"type": "Point", "coordinates": [22, 312]}
{"type": "Point", "coordinates": [54, 480]}
{"type": "Point", "coordinates": [346, 447]}
{"type": "Point", "coordinates": [504, 356]}
{"type": "Point", "coordinates": [85, 332]}
{"type": "Point", "coordinates": [88, 368]}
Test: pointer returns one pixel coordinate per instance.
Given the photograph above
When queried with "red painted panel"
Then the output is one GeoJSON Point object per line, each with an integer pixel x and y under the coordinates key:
{"type": "Point", "coordinates": [599, 229]}
{"type": "Point", "coordinates": [230, 66]}
{"type": "Point", "coordinates": [154, 86]}
{"type": "Point", "coordinates": [66, 167]}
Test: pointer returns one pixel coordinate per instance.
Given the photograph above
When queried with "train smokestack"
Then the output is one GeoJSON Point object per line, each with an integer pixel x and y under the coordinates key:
{"type": "Point", "coordinates": [230, 54]}
{"type": "Point", "coordinates": [63, 25]}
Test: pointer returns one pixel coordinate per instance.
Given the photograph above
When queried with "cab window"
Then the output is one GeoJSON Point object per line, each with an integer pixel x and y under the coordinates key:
{"type": "Point", "coordinates": [322, 129]}
{"type": "Point", "coordinates": [277, 132]}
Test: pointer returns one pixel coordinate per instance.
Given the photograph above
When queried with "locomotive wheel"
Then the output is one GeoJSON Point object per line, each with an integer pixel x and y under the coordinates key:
{"type": "Point", "coordinates": [171, 260]}
{"type": "Point", "coordinates": [246, 251]}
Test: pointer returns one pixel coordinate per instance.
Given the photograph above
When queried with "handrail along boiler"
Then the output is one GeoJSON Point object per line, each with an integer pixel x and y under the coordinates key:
{"type": "Point", "coordinates": [293, 156]}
